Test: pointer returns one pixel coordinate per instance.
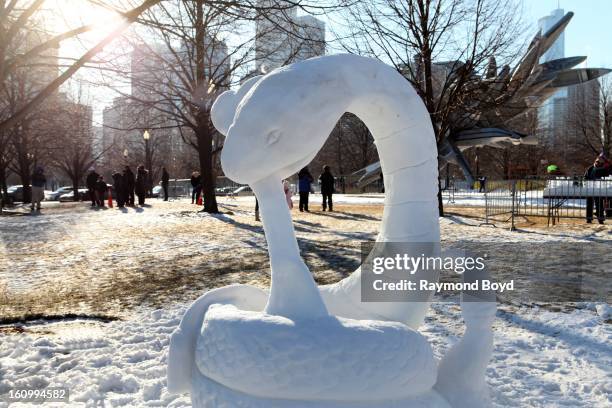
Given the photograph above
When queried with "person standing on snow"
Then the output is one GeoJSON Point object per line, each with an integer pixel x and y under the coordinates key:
{"type": "Point", "coordinates": [326, 179]}
{"type": "Point", "coordinates": [304, 183]}
{"type": "Point", "coordinates": [101, 188]}
{"type": "Point", "coordinates": [119, 187]}
{"type": "Point", "coordinates": [599, 170]}
{"type": "Point", "coordinates": [90, 181]}
{"type": "Point", "coordinates": [38, 187]}
{"type": "Point", "coordinates": [141, 184]}
{"type": "Point", "coordinates": [129, 182]}
{"type": "Point", "coordinates": [196, 186]}
{"type": "Point", "coordinates": [165, 179]}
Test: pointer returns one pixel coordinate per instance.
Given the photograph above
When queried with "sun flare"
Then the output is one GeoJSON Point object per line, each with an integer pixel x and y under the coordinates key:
{"type": "Point", "coordinates": [66, 15]}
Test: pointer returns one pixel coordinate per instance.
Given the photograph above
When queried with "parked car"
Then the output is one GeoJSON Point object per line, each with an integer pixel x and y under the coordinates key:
{"type": "Point", "coordinates": [83, 194]}
{"type": "Point", "coordinates": [55, 195]}
{"type": "Point", "coordinates": [223, 191]}
{"type": "Point", "coordinates": [243, 191]}
{"type": "Point", "coordinates": [15, 193]}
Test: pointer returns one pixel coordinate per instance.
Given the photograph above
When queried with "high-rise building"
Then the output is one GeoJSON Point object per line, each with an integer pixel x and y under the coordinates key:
{"type": "Point", "coordinates": [116, 138]}
{"type": "Point", "coordinates": [161, 79]}
{"type": "Point", "coordinates": [283, 37]}
{"type": "Point", "coordinates": [557, 50]}
{"type": "Point", "coordinates": [552, 114]}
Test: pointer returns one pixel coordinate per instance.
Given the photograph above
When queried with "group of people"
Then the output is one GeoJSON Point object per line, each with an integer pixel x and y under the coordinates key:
{"type": "Point", "coordinates": [305, 180]}
{"type": "Point", "coordinates": [96, 188]}
{"type": "Point", "coordinates": [326, 181]}
{"type": "Point", "coordinates": [126, 185]}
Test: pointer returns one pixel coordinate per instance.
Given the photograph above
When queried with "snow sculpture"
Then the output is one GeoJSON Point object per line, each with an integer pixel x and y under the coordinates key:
{"type": "Point", "coordinates": [303, 346]}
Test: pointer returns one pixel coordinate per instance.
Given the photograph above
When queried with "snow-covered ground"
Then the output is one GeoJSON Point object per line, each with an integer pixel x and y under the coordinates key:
{"type": "Point", "coordinates": [145, 266]}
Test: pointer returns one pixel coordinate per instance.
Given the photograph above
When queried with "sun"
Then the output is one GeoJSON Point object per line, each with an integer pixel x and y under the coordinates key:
{"type": "Point", "coordinates": [65, 15]}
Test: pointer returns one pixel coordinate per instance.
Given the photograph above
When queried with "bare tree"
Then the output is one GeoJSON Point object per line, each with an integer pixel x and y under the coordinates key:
{"type": "Point", "coordinates": [440, 46]}
{"type": "Point", "coordinates": [587, 130]}
{"type": "Point", "coordinates": [350, 147]}
{"type": "Point", "coordinates": [69, 125]}
{"type": "Point", "coordinates": [176, 69]}
{"type": "Point", "coordinates": [4, 164]}
{"type": "Point", "coordinates": [27, 49]}
{"type": "Point", "coordinates": [187, 53]}
{"type": "Point", "coordinates": [606, 115]}
{"type": "Point", "coordinates": [15, 17]}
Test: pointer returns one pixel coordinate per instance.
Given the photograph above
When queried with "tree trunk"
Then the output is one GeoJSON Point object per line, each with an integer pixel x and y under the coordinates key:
{"type": "Point", "coordinates": [24, 175]}
{"type": "Point", "coordinates": [204, 136]}
{"type": "Point", "coordinates": [75, 189]}
{"type": "Point", "coordinates": [3, 186]}
{"type": "Point", "coordinates": [204, 132]}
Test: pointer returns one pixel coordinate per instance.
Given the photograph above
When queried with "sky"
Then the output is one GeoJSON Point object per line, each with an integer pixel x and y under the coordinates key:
{"type": "Point", "coordinates": [590, 31]}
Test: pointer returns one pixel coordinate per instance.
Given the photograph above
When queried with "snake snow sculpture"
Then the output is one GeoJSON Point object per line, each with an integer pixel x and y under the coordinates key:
{"type": "Point", "coordinates": [304, 346]}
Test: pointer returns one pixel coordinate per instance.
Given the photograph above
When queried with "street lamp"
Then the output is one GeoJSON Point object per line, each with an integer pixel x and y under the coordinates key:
{"type": "Point", "coordinates": [146, 136]}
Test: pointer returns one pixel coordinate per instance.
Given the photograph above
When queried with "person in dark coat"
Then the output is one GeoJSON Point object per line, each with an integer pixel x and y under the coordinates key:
{"type": "Point", "coordinates": [326, 179]}
{"type": "Point", "coordinates": [119, 187]}
{"type": "Point", "coordinates": [482, 181]}
{"type": "Point", "coordinates": [141, 184]}
{"type": "Point", "coordinates": [165, 179]}
{"type": "Point", "coordinates": [101, 188]}
{"type": "Point", "coordinates": [129, 181]}
{"type": "Point", "coordinates": [90, 181]}
{"type": "Point", "coordinates": [599, 170]}
{"type": "Point", "coordinates": [38, 187]}
{"type": "Point", "coordinates": [196, 184]}
{"type": "Point", "coordinates": [304, 183]}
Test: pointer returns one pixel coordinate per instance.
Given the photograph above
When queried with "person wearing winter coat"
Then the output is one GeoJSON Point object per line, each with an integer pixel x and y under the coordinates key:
{"type": "Point", "coordinates": [196, 185]}
{"type": "Point", "coordinates": [304, 183]}
{"type": "Point", "coordinates": [119, 187]}
{"type": "Point", "coordinates": [38, 187]}
{"type": "Point", "coordinates": [165, 179]}
{"type": "Point", "coordinates": [129, 182]}
{"type": "Point", "coordinates": [326, 179]}
{"type": "Point", "coordinates": [101, 188]}
{"type": "Point", "coordinates": [141, 184]}
{"type": "Point", "coordinates": [599, 170]}
{"type": "Point", "coordinates": [90, 181]}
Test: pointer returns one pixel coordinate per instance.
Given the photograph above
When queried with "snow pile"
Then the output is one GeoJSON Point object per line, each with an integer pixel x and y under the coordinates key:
{"type": "Point", "coordinates": [552, 359]}
{"type": "Point", "coordinates": [121, 363]}
{"type": "Point", "coordinates": [326, 358]}
{"type": "Point", "coordinates": [541, 358]}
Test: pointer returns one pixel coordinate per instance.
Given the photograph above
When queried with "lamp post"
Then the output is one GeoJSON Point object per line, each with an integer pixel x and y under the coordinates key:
{"type": "Point", "coordinates": [146, 136]}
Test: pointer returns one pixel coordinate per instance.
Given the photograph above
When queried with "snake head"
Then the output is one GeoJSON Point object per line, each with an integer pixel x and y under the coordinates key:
{"type": "Point", "coordinates": [280, 123]}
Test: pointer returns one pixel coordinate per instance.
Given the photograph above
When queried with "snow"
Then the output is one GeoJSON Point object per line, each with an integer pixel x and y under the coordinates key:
{"type": "Point", "coordinates": [541, 357]}
{"type": "Point", "coordinates": [571, 188]}
{"type": "Point", "coordinates": [275, 357]}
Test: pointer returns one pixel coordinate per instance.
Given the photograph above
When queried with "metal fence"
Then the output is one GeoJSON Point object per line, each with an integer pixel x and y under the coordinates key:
{"type": "Point", "coordinates": [503, 200]}
{"type": "Point", "coordinates": [459, 193]}
{"type": "Point", "coordinates": [553, 198]}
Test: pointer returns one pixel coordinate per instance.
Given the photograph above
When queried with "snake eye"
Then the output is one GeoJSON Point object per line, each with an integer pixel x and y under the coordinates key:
{"type": "Point", "coordinates": [273, 136]}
